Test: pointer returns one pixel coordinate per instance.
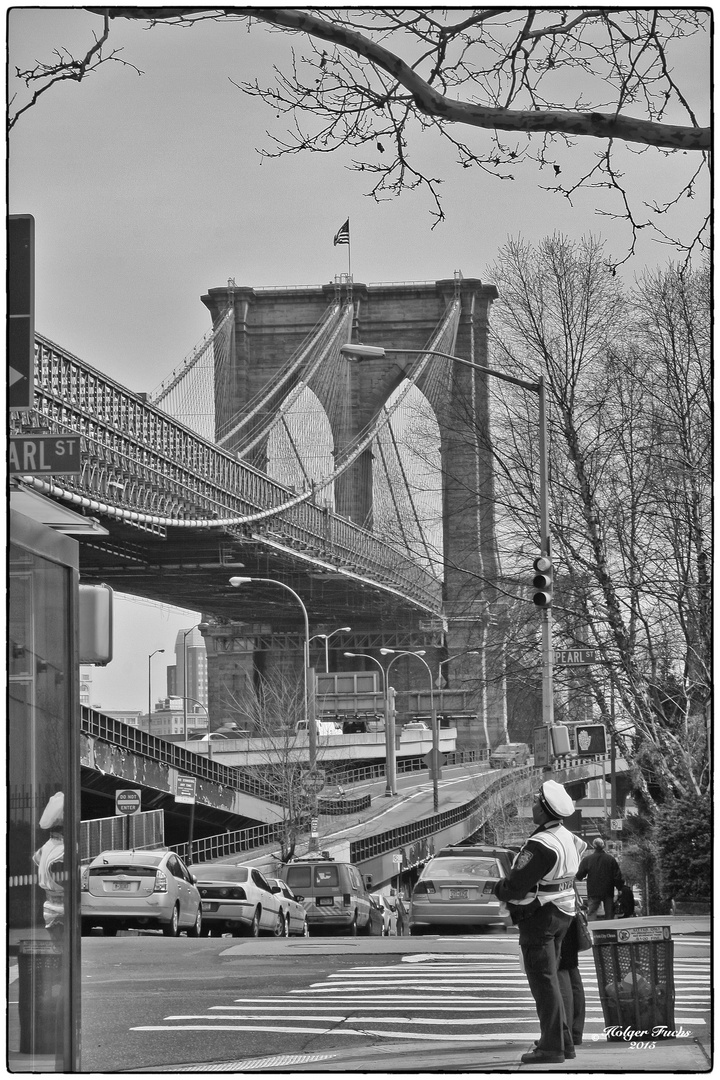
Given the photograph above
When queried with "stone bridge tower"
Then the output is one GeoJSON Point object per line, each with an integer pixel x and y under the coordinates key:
{"type": "Point", "coordinates": [270, 325]}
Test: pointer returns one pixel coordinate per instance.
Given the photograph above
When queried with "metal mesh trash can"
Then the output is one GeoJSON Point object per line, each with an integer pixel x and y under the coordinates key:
{"type": "Point", "coordinates": [39, 991]}
{"type": "Point", "coordinates": [634, 967]}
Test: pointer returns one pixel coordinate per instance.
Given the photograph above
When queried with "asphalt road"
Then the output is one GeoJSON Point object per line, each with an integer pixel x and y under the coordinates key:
{"type": "Point", "coordinates": [151, 1002]}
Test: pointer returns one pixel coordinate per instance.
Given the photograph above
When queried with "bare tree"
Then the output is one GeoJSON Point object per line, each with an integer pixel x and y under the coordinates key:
{"type": "Point", "coordinates": [273, 713]}
{"type": "Point", "coordinates": [630, 460]}
{"type": "Point", "coordinates": [535, 80]}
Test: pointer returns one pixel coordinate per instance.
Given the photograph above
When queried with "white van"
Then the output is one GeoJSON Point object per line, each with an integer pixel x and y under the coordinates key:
{"type": "Point", "coordinates": [324, 727]}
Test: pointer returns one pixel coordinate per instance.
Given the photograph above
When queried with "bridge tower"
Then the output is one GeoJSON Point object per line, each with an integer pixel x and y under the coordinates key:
{"type": "Point", "coordinates": [269, 326]}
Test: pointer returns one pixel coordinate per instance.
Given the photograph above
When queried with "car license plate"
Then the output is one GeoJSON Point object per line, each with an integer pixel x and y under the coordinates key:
{"type": "Point", "coordinates": [324, 901]}
{"type": "Point", "coordinates": [122, 886]}
{"type": "Point", "coordinates": [458, 894]}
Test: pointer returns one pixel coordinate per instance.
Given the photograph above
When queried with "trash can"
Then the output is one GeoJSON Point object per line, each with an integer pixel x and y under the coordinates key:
{"type": "Point", "coordinates": [39, 996]}
{"type": "Point", "coordinates": [634, 967]}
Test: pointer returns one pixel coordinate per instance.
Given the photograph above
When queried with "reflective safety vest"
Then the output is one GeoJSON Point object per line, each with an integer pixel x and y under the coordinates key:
{"type": "Point", "coordinates": [556, 886]}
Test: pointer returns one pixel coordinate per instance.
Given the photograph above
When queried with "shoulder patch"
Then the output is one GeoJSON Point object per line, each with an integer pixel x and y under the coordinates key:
{"type": "Point", "coordinates": [522, 859]}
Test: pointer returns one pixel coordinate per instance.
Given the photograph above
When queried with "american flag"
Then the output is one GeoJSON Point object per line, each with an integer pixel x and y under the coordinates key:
{"type": "Point", "coordinates": [342, 236]}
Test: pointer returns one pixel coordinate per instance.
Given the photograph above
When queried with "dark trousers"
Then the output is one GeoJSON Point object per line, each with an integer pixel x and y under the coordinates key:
{"type": "Point", "coordinates": [594, 903]}
{"type": "Point", "coordinates": [540, 940]}
{"type": "Point", "coordinates": [572, 992]}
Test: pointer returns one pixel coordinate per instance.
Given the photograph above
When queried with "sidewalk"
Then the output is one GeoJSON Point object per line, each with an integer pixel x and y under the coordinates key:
{"type": "Point", "coordinates": [670, 1055]}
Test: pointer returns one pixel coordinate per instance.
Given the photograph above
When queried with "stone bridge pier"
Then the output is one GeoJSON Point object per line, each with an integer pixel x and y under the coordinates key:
{"type": "Point", "coordinates": [270, 326]}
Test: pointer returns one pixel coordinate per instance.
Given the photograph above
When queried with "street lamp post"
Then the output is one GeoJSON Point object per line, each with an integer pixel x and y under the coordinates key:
{"type": "Point", "coordinates": [371, 351]}
{"type": "Point", "coordinates": [308, 675]}
{"type": "Point", "coordinates": [340, 630]}
{"type": "Point", "coordinates": [150, 682]}
{"type": "Point", "coordinates": [390, 758]}
{"type": "Point", "coordinates": [470, 652]}
{"type": "Point", "coordinates": [433, 714]}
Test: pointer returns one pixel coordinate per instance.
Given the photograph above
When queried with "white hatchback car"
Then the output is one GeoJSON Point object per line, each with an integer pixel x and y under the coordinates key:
{"type": "Point", "coordinates": [239, 899]}
{"type": "Point", "coordinates": [139, 889]}
{"type": "Point", "coordinates": [293, 911]}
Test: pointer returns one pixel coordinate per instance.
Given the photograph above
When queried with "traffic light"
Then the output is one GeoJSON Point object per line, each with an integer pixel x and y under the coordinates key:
{"type": "Point", "coordinates": [543, 581]}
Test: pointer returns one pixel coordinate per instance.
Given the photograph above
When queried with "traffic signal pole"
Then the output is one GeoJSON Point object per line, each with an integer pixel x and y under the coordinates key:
{"type": "Point", "coordinates": [547, 636]}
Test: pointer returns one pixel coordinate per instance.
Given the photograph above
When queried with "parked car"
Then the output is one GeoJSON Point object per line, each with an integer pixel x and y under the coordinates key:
{"type": "Point", "coordinates": [239, 899]}
{"type": "Point", "coordinates": [140, 890]}
{"type": "Point", "coordinates": [509, 754]}
{"type": "Point", "coordinates": [293, 911]}
{"type": "Point", "coordinates": [208, 736]}
{"type": "Point", "coordinates": [334, 894]}
{"type": "Point", "coordinates": [389, 912]}
{"type": "Point", "coordinates": [416, 725]}
{"type": "Point", "coordinates": [504, 855]}
{"type": "Point", "coordinates": [456, 890]}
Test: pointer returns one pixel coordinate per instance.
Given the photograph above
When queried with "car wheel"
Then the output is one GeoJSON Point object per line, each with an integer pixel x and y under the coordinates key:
{"type": "Point", "coordinates": [254, 928]}
{"type": "Point", "coordinates": [279, 928]}
{"type": "Point", "coordinates": [196, 929]}
{"type": "Point", "coordinates": [306, 929]}
{"type": "Point", "coordinates": [171, 929]}
{"type": "Point", "coordinates": [353, 928]}
{"type": "Point", "coordinates": [109, 931]}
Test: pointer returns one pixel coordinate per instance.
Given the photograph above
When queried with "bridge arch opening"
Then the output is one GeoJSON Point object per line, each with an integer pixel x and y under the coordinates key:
{"type": "Point", "coordinates": [407, 478]}
{"type": "Point", "coordinates": [300, 447]}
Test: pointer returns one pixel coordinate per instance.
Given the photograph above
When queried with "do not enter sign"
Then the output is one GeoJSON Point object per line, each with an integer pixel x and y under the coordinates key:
{"type": "Point", "coordinates": [127, 801]}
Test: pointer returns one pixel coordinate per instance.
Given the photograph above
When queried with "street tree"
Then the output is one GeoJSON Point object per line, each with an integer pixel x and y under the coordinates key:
{"type": "Point", "coordinates": [271, 712]}
{"type": "Point", "coordinates": [499, 88]}
{"type": "Point", "coordinates": [628, 385]}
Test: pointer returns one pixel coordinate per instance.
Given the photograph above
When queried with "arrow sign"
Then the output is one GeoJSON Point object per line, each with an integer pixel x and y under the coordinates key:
{"type": "Point", "coordinates": [21, 311]}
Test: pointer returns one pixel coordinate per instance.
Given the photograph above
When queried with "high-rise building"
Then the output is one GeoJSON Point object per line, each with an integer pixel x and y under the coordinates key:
{"type": "Point", "coordinates": [190, 648]}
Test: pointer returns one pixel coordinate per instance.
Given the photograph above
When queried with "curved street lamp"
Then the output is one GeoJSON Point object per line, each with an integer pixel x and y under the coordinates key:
{"type": "Point", "coordinates": [433, 712]}
{"type": "Point", "coordinates": [360, 352]}
{"type": "Point", "coordinates": [308, 695]}
{"type": "Point", "coordinates": [150, 683]}
{"type": "Point", "coordinates": [390, 765]}
{"type": "Point", "coordinates": [340, 630]}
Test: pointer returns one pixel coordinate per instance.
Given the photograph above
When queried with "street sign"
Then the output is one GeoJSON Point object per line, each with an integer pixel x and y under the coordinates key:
{"type": "Point", "coordinates": [616, 824]}
{"type": "Point", "coordinates": [314, 781]}
{"type": "Point", "coordinates": [434, 761]}
{"type": "Point", "coordinates": [36, 455]}
{"type": "Point", "coordinates": [20, 311]}
{"type": "Point", "coordinates": [575, 657]}
{"type": "Point", "coordinates": [397, 859]}
{"type": "Point", "coordinates": [541, 747]}
{"type": "Point", "coordinates": [313, 826]}
{"type": "Point", "coordinates": [185, 789]}
{"type": "Point", "coordinates": [127, 801]}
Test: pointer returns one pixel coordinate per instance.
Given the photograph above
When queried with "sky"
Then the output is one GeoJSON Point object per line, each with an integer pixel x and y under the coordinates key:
{"type": "Point", "coordinates": [148, 190]}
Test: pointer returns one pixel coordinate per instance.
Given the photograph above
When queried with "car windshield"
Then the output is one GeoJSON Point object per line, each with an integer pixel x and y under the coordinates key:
{"type": "Point", "coordinates": [453, 868]}
{"type": "Point", "coordinates": [210, 872]}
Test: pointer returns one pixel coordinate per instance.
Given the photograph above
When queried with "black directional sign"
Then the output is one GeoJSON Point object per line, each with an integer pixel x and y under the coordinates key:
{"type": "Point", "coordinates": [21, 311]}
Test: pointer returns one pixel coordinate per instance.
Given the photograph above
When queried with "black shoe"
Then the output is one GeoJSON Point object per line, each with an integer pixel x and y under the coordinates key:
{"type": "Point", "coordinates": [541, 1057]}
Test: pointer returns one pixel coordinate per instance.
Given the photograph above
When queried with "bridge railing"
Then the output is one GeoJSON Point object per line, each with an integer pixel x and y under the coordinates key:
{"type": "Point", "coordinates": [141, 466]}
{"type": "Point", "coordinates": [100, 726]}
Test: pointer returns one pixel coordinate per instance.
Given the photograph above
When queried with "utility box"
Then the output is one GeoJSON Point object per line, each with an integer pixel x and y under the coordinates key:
{"type": "Point", "coordinates": [634, 967]}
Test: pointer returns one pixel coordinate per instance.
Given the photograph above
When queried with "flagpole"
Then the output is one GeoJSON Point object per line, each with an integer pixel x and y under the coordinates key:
{"type": "Point", "coordinates": [349, 271]}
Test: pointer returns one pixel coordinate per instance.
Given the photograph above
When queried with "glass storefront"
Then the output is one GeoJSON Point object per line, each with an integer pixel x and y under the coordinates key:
{"type": "Point", "coordinates": [43, 793]}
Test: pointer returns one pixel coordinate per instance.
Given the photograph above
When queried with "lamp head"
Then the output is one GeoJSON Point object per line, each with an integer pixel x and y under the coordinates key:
{"type": "Point", "coordinates": [343, 629]}
{"type": "Point", "coordinates": [359, 352]}
{"type": "Point", "coordinates": [236, 582]}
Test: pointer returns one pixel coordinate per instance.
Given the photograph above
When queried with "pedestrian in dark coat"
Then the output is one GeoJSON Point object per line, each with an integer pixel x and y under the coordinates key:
{"type": "Point", "coordinates": [603, 877]}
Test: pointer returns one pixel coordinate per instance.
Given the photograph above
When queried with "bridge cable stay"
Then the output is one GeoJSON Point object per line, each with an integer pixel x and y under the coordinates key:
{"type": "Point", "coordinates": [188, 395]}
{"type": "Point", "coordinates": [269, 397]}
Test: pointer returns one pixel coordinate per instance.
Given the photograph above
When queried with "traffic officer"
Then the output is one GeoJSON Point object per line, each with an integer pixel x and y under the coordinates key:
{"type": "Point", "coordinates": [540, 897]}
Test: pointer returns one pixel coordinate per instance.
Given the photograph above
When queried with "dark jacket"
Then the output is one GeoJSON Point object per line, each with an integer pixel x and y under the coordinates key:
{"type": "Point", "coordinates": [602, 872]}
